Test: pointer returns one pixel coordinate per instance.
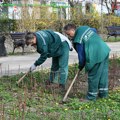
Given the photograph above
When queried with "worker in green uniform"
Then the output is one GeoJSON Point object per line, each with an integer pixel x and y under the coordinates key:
{"type": "Point", "coordinates": [51, 44]}
{"type": "Point", "coordinates": [93, 53]}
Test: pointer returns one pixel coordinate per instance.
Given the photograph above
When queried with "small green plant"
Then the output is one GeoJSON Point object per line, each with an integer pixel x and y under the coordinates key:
{"type": "Point", "coordinates": [31, 100]}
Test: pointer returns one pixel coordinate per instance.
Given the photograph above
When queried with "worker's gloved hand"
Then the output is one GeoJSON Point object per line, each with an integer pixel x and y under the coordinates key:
{"type": "Point", "coordinates": [33, 67]}
{"type": "Point", "coordinates": [80, 67]}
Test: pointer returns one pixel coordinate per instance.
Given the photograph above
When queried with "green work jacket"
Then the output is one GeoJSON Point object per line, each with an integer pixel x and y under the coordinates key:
{"type": "Point", "coordinates": [96, 50]}
{"type": "Point", "coordinates": [48, 45]}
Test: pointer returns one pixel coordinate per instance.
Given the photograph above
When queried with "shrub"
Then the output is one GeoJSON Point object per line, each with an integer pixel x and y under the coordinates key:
{"type": "Point", "coordinates": [7, 25]}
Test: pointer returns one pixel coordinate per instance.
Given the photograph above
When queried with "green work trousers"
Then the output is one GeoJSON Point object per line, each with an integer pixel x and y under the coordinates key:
{"type": "Point", "coordinates": [59, 68]}
{"type": "Point", "coordinates": [98, 80]}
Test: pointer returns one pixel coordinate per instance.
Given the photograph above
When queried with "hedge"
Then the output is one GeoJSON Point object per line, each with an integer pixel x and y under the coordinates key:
{"type": "Point", "coordinates": [8, 25]}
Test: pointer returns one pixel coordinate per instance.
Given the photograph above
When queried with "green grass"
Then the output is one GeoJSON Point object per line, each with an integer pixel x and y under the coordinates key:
{"type": "Point", "coordinates": [19, 53]}
{"type": "Point", "coordinates": [112, 39]}
{"type": "Point", "coordinates": [29, 101]}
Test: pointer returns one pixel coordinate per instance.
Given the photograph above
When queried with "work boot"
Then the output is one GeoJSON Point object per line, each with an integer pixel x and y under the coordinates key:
{"type": "Point", "coordinates": [62, 89]}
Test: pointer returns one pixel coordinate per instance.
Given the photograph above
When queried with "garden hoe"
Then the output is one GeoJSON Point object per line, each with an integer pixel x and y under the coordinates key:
{"type": "Point", "coordinates": [22, 77]}
{"type": "Point", "coordinates": [65, 97]}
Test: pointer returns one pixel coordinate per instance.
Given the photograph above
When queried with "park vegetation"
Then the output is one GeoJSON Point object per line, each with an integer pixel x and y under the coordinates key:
{"type": "Point", "coordinates": [31, 100]}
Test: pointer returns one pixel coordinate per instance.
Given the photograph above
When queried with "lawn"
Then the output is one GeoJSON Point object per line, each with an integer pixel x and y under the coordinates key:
{"type": "Point", "coordinates": [31, 100]}
{"type": "Point", "coordinates": [112, 39]}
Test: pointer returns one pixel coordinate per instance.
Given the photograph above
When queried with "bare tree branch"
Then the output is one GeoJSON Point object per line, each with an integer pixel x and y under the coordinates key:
{"type": "Point", "coordinates": [110, 2]}
{"type": "Point", "coordinates": [71, 3]}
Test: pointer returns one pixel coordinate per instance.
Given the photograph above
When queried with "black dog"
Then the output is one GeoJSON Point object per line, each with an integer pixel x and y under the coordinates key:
{"type": "Point", "coordinates": [18, 43]}
{"type": "Point", "coordinates": [18, 40]}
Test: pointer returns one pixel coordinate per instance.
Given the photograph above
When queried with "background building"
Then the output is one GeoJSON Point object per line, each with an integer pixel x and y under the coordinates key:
{"type": "Point", "coordinates": [14, 8]}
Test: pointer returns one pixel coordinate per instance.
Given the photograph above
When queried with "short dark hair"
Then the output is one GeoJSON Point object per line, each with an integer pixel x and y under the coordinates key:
{"type": "Point", "coordinates": [29, 36]}
{"type": "Point", "coordinates": [69, 26]}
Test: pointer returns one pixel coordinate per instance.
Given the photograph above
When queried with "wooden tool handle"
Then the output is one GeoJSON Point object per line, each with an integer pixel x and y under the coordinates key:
{"type": "Point", "coordinates": [22, 78]}
{"type": "Point", "coordinates": [65, 97]}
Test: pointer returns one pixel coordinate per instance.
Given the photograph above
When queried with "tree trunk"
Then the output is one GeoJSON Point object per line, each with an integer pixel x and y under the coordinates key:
{"type": "Point", "coordinates": [71, 3]}
{"type": "Point", "coordinates": [2, 46]}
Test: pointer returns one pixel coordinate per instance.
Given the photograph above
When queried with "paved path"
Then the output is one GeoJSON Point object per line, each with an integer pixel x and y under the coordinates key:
{"type": "Point", "coordinates": [16, 64]}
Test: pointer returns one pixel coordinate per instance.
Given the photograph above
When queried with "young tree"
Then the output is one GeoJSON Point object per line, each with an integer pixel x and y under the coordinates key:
{"type": "Point", "coordinates": [75, 8]}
